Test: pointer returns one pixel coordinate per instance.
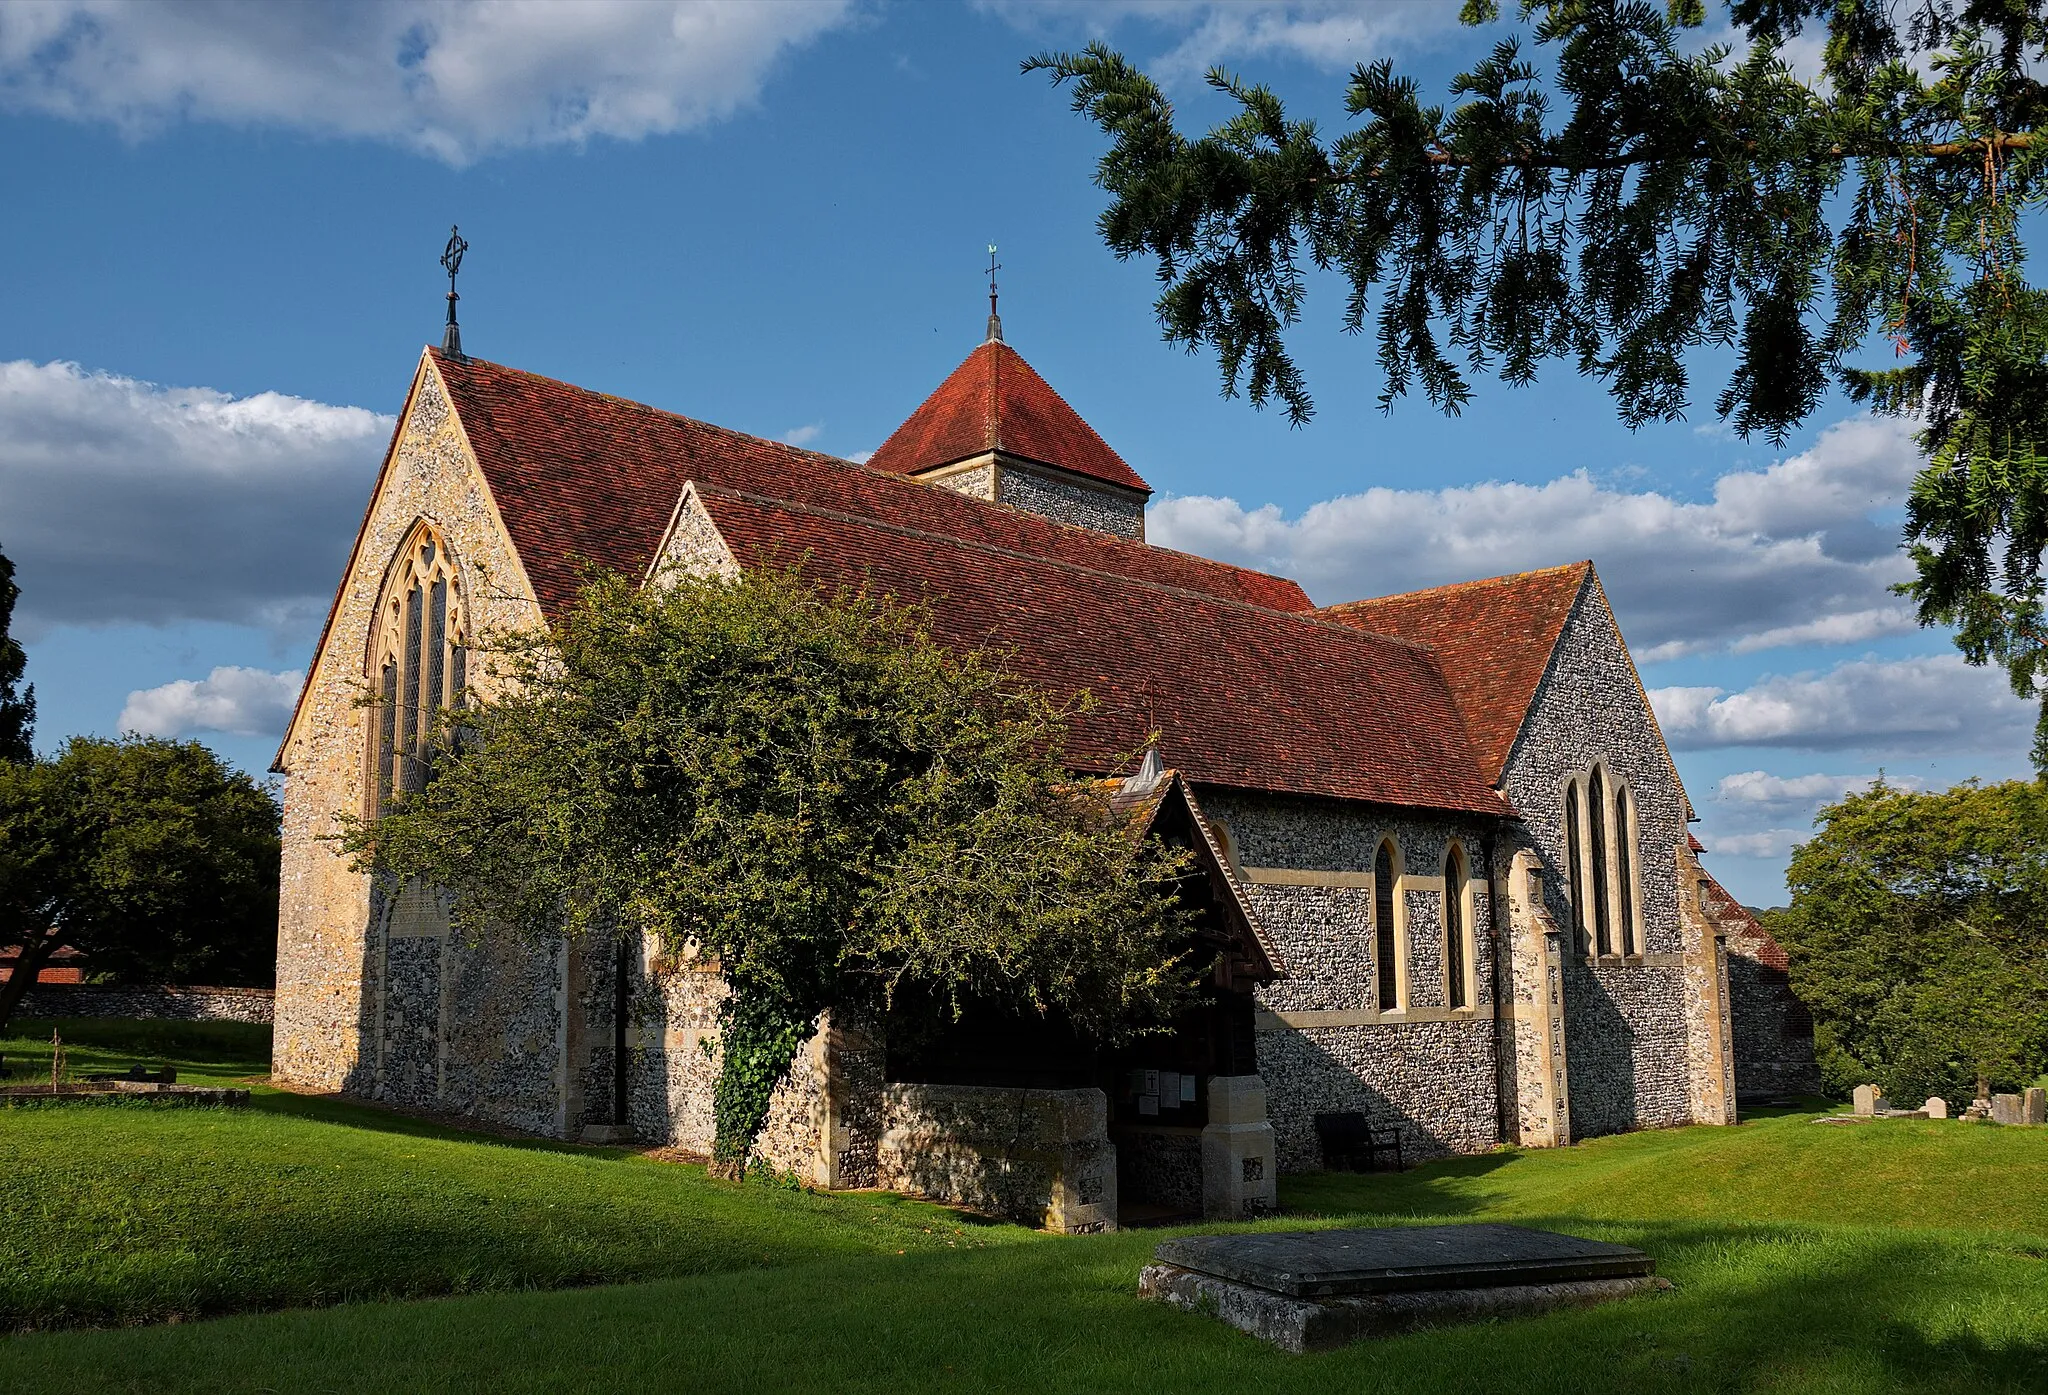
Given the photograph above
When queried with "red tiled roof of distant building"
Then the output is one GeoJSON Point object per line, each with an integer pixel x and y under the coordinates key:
{"type": "Point", "coordinates": [1493, 638]}
{"type": "Point", "coordinates": [1741, 922]}
{"type": "Point", "coordinates": [582, 477]}
{"type": "Point", "coordinates": [1244, 696]}
{"type": "Point", "coordinates": [995, 401]}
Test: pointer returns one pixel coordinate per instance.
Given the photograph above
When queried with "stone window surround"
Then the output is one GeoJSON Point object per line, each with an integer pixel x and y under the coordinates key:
{"type": "Point", "coordinates": [1619, 793]}
{"type": "Point", "coordinates": [390, 641]}
{"type": "Point", "coordinates": [1404, 996]}
{"type": "Point", "coordinates": [1456, 853]}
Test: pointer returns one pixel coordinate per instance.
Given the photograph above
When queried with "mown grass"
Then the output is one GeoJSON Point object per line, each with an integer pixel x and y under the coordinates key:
{"type": "Point", "coordinates": [1876, 1257]}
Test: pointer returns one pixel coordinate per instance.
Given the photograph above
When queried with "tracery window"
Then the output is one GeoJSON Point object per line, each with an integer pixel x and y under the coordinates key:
{"type": "Point", "coordinates": [1387, 926]}
{"type": "Point", "coordinates": [1457, 993]}
{"type": "Point", "coordinates": [419, 664]}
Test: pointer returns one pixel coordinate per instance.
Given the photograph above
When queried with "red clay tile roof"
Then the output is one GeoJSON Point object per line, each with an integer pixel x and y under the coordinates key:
{"type": "Point", "coordinates": [1245, 696]}
{"type": "Point", "coordinates": [1493, 638]}
{"type": "Point", "coordinates": [579, 476]}
{"type": "Point", "coordinates": [1739, 921]}
{"type": "Point", "coordinates": [995, 401]}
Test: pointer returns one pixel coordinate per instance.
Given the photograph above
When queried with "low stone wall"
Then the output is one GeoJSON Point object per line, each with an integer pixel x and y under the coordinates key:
{"type": "Point", "coordinates": [169, 1003]}
{"type": "Point", "coordinates": [1041, 1157]}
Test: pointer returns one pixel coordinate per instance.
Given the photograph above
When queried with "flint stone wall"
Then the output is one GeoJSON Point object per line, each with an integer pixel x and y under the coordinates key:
{"type": "Point", "coordinates": [1069, 501]}
{"type": "Point", "coordinates": [1627, 1045]}
{"type": "Point", "coordinates": [169, 1003]}
{"type": "Point", "coordinates": [1431, 1069]}
{"type": "Point", "coordinates": [328, 962]}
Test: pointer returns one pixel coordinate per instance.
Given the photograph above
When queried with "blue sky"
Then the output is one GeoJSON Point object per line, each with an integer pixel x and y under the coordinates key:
{"type": "Point", "coordinates": [222, 231]}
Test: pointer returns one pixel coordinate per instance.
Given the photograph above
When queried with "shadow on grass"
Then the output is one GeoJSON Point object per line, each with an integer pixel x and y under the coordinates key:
{"type": "Point", "coordinates": [359, 1114]}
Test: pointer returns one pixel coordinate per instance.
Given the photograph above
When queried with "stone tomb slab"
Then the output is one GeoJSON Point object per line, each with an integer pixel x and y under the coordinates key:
{"type": "Point", "coordinates": [1318, 1289]}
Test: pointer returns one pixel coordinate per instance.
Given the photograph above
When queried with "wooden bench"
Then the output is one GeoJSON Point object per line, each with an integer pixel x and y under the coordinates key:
{"type": "Point", "coordinates": [1352, 1143]}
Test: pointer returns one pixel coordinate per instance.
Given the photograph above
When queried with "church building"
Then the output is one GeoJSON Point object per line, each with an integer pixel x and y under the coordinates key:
{"type": "Point", "coordinates": [1444, 860]}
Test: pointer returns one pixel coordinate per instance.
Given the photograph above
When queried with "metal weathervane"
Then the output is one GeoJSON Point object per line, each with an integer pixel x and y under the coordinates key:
{"type": "Point", "coordinates": [995, 325]}
{"type": "Point", "coordinates": [451, 260]}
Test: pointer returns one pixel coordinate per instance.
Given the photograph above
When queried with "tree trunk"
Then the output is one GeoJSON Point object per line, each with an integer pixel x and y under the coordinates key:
{"type": "Point", "coordinates": [35, 953]}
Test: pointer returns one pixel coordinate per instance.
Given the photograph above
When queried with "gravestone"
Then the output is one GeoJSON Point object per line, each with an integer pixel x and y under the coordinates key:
{"type": "Point", "coordinates": [1317, 1289]}
{"type": "Point", "coordinates": [2035, 1110]}
{"type": "Point", "coordinates": [2007, 1109]}
{"type": "Point", "coordinates": [1935, 1108]}
{"type": "Point", "coordinates": [1869, 1099]}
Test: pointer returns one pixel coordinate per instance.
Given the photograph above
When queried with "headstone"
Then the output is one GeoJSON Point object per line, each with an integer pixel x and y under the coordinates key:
{"type": "Point", "coordinates": [1869, 1099]}
{"type": "Point", "coordinates": [1313, 1290]}
{"type": "Point", "coordinates": [2008, 1109]}
{"type": "Point", "coordinates": [2036, 1109]}
{"type": "Point", "coordinates": [1935, 1108]}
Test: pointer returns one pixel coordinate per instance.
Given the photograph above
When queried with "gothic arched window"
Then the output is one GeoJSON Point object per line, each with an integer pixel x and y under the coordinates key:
{"type": "Point", "coordinates": [1630, 940]}
{"type": "Point", "coordinates": [1387, 926]}
{"type": "Point", "coordinates": [1456, 958]}
{"type": "Point", "coordinates": [1596, 821]}
{"type": "Point", "coordinates": [419, 664]}
{"type": "Point", "coordinates": [1575, 862]}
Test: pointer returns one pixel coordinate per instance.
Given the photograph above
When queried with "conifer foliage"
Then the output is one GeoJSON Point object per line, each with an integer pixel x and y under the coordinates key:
{"type": "Point", "coordinates": [1617, 192]}
{"type": "Point", "coordinates": [17, 703]}
{"type": "Point", "coordinates": [806, 792]}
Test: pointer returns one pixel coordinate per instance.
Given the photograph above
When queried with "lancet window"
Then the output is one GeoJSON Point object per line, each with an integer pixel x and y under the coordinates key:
{"type": "Point", "coordinates": [1602, 853]}
{"type": "Point", "coordinates": [1457, 924]}
{"type": "Point", "coordinates": [1387, 926]}
{"type": "Point", "coordinates": [419, 664]}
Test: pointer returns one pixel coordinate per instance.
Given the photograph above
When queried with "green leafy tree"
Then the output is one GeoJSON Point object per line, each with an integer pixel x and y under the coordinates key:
{"type": "Point", "coordinates": [1918, 935]}
{"type": "Point", "coordinates": [154, 859]}
{"type": "Point", "coordinates": [17, 703]}
{"type": "Point", "coordinates": [1615, 194]}
{"type": "Point", "coordinates": [807, 790]}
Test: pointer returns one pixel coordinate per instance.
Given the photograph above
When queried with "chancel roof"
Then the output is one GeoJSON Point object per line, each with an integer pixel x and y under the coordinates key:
{"type": "Point", "coordinates": [995, 401]}
{"type": "Point", "coordinates": [1493, 640]}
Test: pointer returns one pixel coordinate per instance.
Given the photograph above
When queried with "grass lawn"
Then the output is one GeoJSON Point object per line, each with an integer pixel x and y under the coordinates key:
{"type": "Point", "coordinates": [1878, 1257]}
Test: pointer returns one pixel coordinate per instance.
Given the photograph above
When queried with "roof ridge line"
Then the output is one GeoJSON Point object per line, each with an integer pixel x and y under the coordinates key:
{"type": "Point", "coordinates": [869, 472]}
{"type": "Point", "coordinates": [1308, 617]}
{"type": "Point", "coordinates": [1501, 580]}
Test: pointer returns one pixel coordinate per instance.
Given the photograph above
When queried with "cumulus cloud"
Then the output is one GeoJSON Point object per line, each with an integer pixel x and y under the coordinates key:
{"type": "Point", "coordinates": [238, 701]}
{"type": "Point", "coordinates": [1927, 706]}
{"type": "Point", "coordinates": [861, 457]}
{"type": "Point", "coordinates": [1791, 554]}
{"type": "Point", "coordinates": [1330, 34]}
{"type": "Point", "coordinates": [452, 78]}
{"type": "Point", "coordinates": [1760, 788]}
{"type": "Point", "coordinates": [803, 435]}
{"type": "Point", "coordinates": [124, 501]}
{"type": "Point", "coordinates": [1764, 843]}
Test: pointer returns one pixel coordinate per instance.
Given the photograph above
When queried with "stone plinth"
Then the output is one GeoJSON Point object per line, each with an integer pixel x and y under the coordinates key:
{"type": "Point", "coordinates": [1042, 1157]}
{"type": "Point", "coordinates": [1314, 1290]}
{"type": "Point", "coordinates": [1240, 1168]}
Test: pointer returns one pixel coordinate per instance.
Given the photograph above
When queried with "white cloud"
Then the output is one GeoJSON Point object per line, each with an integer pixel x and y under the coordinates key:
{"type": "Point", "coordinates": [238, 701]}
{"type": "Point", "coordinates": [1765, 843]}
{"type": "Point", "coordinates": [1760, 787]}
{"type": "Point", "coordinates": [1786, 555]}
{"type": "Point", "coordinates": [452, 78]}
{"type": "Point", "coordinates": [1329, 34]}
{"type": "Point", "coordinates": [124, 501]}
{"type": "Point", "coordinates": [1934, 705]}
{"type": "Point", "coordinates": [803, 435]}
{"type": "Point", "coordinates": [861, 457]}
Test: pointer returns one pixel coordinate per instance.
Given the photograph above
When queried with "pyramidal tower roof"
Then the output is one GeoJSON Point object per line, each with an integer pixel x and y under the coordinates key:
{"type": "Point", "coordinates": [996, 402]}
